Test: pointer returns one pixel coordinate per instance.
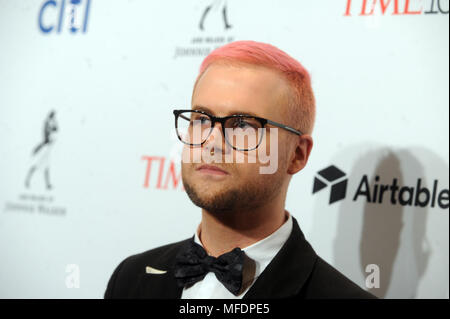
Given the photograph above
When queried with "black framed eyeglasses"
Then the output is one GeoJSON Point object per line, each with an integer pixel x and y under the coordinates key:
{"type": "Point", "coordinates": [242, 132]}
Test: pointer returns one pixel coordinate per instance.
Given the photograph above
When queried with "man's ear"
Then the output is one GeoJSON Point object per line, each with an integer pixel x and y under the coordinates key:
{"type": "Point", "coordinates": [299, 158]}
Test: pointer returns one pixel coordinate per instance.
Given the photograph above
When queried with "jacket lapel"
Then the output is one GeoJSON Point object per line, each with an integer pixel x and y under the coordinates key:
{"type": "Point", "coordinates": [154, 285]}
{"type": "Point", "coordinates": [162, 286]}
{"type": "Point", "coordinates": [288, 271]}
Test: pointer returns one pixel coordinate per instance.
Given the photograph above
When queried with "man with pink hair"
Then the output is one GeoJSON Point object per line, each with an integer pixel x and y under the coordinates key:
{"type": "Point", "coordinates": [249, 99]}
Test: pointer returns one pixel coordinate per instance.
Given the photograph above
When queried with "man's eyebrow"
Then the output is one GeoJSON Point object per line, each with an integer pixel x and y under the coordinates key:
{"type": "Point", "coordinates": [207, 110]}
{"type": "Point", "coordinates": [202, 108]}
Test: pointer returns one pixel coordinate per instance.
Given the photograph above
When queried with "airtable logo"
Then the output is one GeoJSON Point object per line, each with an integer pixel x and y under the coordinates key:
{"type": "Point", "coordinates": [377, 193]}
{"type": "Point", "coordinates": [334, 176]}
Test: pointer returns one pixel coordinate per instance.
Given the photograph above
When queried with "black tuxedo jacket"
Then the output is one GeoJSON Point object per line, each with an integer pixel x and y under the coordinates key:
{"type": "Point", "coordinates": [295, 272]}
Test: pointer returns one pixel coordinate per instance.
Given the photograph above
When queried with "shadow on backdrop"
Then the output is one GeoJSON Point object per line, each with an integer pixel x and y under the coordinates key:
{"type": "Point", "coordinates": [392, 236]}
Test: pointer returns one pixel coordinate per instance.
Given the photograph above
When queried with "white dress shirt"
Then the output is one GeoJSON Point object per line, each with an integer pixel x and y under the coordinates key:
{"type": "Point", "coordinates": [262, 252]}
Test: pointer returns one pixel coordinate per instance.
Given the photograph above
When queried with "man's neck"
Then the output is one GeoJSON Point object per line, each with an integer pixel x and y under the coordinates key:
{"type": "Point", "coordinates": [220, 233]}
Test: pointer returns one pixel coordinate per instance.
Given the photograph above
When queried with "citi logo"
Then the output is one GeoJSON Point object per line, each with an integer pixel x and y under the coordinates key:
{"type": "Point", "coordinates": [378, 193]}
{"type": "Point", "coordinates": [71, 14]}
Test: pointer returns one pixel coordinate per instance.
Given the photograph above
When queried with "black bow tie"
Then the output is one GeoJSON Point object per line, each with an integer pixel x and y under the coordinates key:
{"type": "Point", "coordinates": [193, 263]}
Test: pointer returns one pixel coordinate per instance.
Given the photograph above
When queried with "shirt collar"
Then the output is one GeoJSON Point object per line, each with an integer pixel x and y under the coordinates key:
{"type": "Point", "coordinates": [263, 251]}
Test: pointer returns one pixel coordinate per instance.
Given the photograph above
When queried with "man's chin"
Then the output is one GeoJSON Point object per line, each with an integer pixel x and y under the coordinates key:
{"type": "Point", "coordinates": [211, 199]}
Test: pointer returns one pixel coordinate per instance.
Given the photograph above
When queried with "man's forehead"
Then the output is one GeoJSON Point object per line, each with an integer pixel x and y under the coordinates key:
{"type": "Point", "coordinates": [227, 89]}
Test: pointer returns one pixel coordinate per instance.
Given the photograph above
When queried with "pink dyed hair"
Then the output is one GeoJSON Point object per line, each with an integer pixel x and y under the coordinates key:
{"type": "Point", "coordinates": [302, 102]}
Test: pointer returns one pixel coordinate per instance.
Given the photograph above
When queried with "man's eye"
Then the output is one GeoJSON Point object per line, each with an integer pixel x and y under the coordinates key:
{"type": "Point", "coordinates": [204, 119]}
{"type": "Point", "coordinates": [201, 120]}
{"type": "Point", "coordinates": [242, 124]}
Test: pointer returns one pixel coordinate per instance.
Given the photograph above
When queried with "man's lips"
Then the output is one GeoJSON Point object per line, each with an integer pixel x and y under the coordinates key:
{"type": "Point", "coordinates": [211, 169]}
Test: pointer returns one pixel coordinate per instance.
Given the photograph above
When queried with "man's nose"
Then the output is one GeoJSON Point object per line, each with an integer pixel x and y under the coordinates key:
{"type": "Point", "coordinates": [216, 140]}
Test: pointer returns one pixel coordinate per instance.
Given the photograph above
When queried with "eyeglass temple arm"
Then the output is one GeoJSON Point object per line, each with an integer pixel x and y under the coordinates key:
{"type": "Point", "coordinates": [184, 117]}
{"type": "Point", "coordinates": [290, 129]}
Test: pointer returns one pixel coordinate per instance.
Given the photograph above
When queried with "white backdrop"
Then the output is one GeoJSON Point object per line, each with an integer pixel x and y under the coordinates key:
{"type": "Point", "coordinates": [102, 187]}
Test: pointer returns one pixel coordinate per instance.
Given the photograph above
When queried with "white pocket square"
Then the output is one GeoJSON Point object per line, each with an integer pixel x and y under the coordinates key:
{"type": "Point", "coordinates": [151, 270]}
